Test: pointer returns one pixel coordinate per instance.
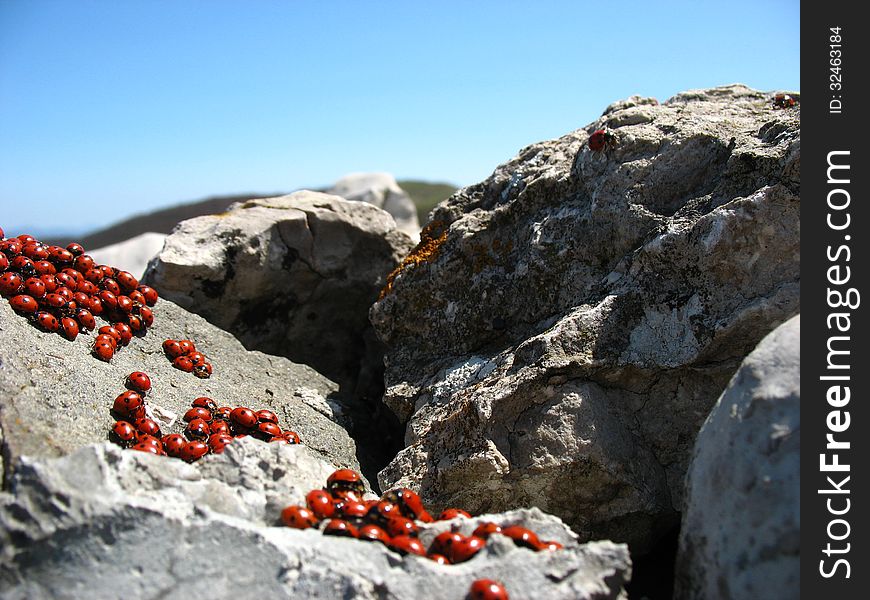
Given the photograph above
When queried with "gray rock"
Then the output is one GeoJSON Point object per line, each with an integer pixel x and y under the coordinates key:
{"type": "Point", "coordinates": [740, 536]}
{"type": "Point", "coordinates": [130, 255]}
{"type": "Point", "coordinates": [104, 520]}
{"type": "Point", "coordinates": [278, 273]}
{"type": "Point", "coordinates": [381, 190]}
{"type": "Point", "coordinates": [56, 397]}
{"type": "Point", "coordinates": [564, 327]}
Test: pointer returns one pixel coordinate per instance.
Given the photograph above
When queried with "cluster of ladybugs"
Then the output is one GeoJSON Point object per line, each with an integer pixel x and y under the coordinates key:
{"type": "Point", "coordinates": [62, 290]}
{"type": "Point", "coordinates": [339, 509]}
{"type": "Point", "coordinates": [208, 429]}
{"type": "Point", "coordinates": [187, 358]}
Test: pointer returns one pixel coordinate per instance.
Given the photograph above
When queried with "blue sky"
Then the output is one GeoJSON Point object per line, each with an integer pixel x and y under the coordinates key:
{"type": "Point", "coordinates": [112, 108]}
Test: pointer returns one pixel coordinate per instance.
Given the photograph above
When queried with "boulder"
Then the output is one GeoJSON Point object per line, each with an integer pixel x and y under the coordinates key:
{"type": "Point", "coordinates": [279, 273]}
{"type": "Point", "coordinates": [103, 522]}
{"type": "Point", "coordinates": [381, 190]}
{"type": "Point", "coordinates": [56, 397]}
{"type": "Point", "coordinates": [131, 255]}
{"type": "Point", "coordinates": [740, 534]}
{"type": "Point", "coordinates": [563, 328]}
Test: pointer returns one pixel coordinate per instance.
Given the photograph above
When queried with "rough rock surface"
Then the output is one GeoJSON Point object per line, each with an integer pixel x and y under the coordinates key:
{"type": "Point", "coordinates": [381, 190]}
{"type": "Point", "coordinates": [278, 273]}
{"type": "Point", "coordinates": [55, 396]}
{"type": "Point", "coordinates": [740, 536]}
{"type": "Point", "coordinates": [103, 522]}
{"type": "Point", "coordinates": [562, 330]}
{"type": "Point", "coordinates": [130, 255]}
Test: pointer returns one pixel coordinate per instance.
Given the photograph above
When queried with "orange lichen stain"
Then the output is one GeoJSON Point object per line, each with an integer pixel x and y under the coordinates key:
{"type": "Point", "coordinates": [431, 238]}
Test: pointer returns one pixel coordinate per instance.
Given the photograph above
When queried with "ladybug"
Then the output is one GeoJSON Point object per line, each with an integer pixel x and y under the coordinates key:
{"type": "Point", "coordinates": [129, 404]}
{"type": "Point", "coordinates": [23, 265]}
{"type": "Point", "coordinates": [4, 262]}
{"type": "Point", "coordinates": [126, 280]}
{"type": "Point", "coordinates": [75, 249]}
{"type": "Point", "coordinates": [43, 267]}
{"type": "Point", "coordinates": [452, 513]}
{"type": "Point", "coordinates": [147, 426]}
{"type": "Point", "coordinates": [124, 331]}
{"type": "Point", "coordinates": [86, 287]}
{"type": "Point", "coordinates": [25, 237]}
{"type": "Point", "coordinates": [86, 319]}
{"type": "Point", "coordinates": [111, 332]}
{"type": "Point", "coordinates": [59, 256]}
{"type": "Point", "coordinates": [783, 101]}
{"type": "Point", "coordinates": [405, 544]}
{"type": "Point", "coordinates": [93, 275]}
{"type": "Point", "coordinates": [34, 251]}
{"type": "Point", "coordinates": [24, 304]}
{"type": "Point", "coordinates": [173, 444]}
{"type": "Point", "coordinates": [106, 339]}
{"type": "Point", "coordinates": [83, 263]}
{"type": "Point", "coordinates": [139, 381]}
{"type": "Point", "coordinates": [438, 558]}
{"type": "Point", "coordinates": [203, 371]}
{"type": "Point", "coordinates": [397, 525]}
{"type": "Point", "coordinates": [69, 327]}
{"type": "Point", "coordinates": [218, 441]}
{"type": "Point", "coordinates": [487, 589]}
{"type": "Point", "coordinates": [298, 517]}
{"type": "Point", "coordinates": [550, 545]}
{"type": "Point", "coordinates": [35, 287]}
{"type": "Point", "coordinates": [123, 433]}
{"type": "Point", "coordinates": [11, 283]}
{"type": "Point", "coordinates": [352, 509]}
{"type": "Point", "coordinates": [194, 450]}
{"type": "Point", "coordinates": [409, 504]}
{"type": "Point", "coordinates": [372, 533]}
{"type": "Point", "coordinates": [125, 305]}
{"type": "Point", "coordinates": [443, 542]}
{"type": "Point", "coordinates": [187, 346]}
{"type": "Point", "coordinates": [147, 316]}
{"type": "Point", "coordinates": [149, 293]}
{"type": "Point", "coordinates": [11, 247]}
{"type": "Point", "coordinates": [109, 299]}
{"type": "Point", "coordinates": [464, 549]}
{"type": "Point", "coordinates": [222, 412]}
{"type": "Point", "coordinates": [197, 429]}
{"type": "Point", "coordinates": [601, 139]}
{"type": "Point", "coordinates": [204, 402]}
{"type": "Point", "coordinates": [146, 447]}
{"type": "Point", "coordinates": [197, 413]}
{"type": "Point", "coordinates": [197, 358]}
{"type": "Point", "coordinates": [267, 416]}
{"type": "Point", "coordinates": [345, 480]}
{"type": "Point", "coordinates": [183, 363]}
{"type": "Point", "coordinates": [219, 426]}
{"type": "Point", "coordinates": [107, 271]}
{"type": "Point", "coordinates": [484, 530]}
{"type": "Point", "coordinates": [522, 536]}
{"type": "Point", "coordinates": [244, 417]}
{"type": "Point", "coordinates": [320, 503]}
{"type": "Point", "coordinates": [147, 438]}
{"type": "Point", "coordinates": [172, 348]}
{"type": "Point", "coordinates": [95, 305]}
{"type": "Point", "coordinates": [291, 437]}
{"type": "Point", "coordinates": [269, 430]}
{"type": "Point", "coordinates": [341, 528]}
{"type": "Point", "coordinates": [137, 297]}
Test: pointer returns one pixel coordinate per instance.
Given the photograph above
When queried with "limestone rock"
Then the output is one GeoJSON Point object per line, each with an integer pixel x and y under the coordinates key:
{"type": "Point", "coordinates": [56, 397]}
{"type": "Point", "coordinates": [381, 190]}
{"type": "Point", "coordinates": [278, 273]}
{"type": "Point", "coordinates": [104, 520]}
{"type": "Point", "coordinates": [564, 327]}
{"type": "Point", "coordinates": [130, 255]}
{"type": "Point", "coordinates": [740, 536]}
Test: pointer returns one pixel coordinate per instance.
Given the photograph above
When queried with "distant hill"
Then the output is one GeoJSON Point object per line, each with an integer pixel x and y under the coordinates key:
{"type": "Point", "coordinates": [424, 194]}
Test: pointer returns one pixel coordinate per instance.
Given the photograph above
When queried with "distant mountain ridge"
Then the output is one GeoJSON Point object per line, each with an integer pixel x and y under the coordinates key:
{"type": "Point", "coordinates": [424, 194]}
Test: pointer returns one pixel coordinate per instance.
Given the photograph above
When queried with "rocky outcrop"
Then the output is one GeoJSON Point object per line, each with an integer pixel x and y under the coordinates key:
{"type": "Point", "coordinates": [381, 190]}
{"type": "Point", "coordinates": [279, 273]}
{"type": "Point", "coordinates": [102, 520]}
{"type": "Point", "coordinates": [131, 255]}
{"type": "Point", "coordinates": [564, 327]}
{"type": "Point", "coordinates": [740, 536]}
{"type": "Point", "coordinates": [56, 397]}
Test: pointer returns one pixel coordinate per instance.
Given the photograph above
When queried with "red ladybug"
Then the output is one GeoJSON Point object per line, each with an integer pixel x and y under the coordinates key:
{"type": "Point", "coordinates": [11, 283]}
{"type": "Point", "coordinates": [107, 271]}
{"type": "Point", "coordinates": [126, 280]}
{"type": "Point", "coordinates": [149, 293]}
{"type": "Point", "coordinates": [86, 319]}
{"type": "Point", "coordinates": [128, 404]}
{"type": "Point", "coordinates": [46, 321]}
{"type": "Point", "coordinates": [267, 416]}
{"type": "Point", "coordinates": [438, 558]}
{"type": "Point", "coordinates": [69, 327]}
{"type": "Point", "coordinates": [34, 251]}
{"type": "Point", "coordinates": [487, 589]}
{"type": "Point", "coordinates": [83, 264]}
{"type": "Point", "coordinates": [292, 437]}
{"type": "Point", "coordinates": [59, 256]}
{"type": "Point", "coordinates": [397, 525]}
{"type": "Point", "coordinates": [550, 545]}
{"type": "Point", "coordinates": [147, 316]}
{"type": "Point", "coordinates": [352, 509]}
{"type": "Point", "coordinates": [372, 533]}
{"type": "Point", "coordinates": [183, 364]}
{"type": "Point", "coordinates": [24, 304]}
{"type": "Point", "coordinates": [204, 402]}
{"type": "Point", "coordinates": [35, 287]}
{"type": "Point", "coordinates": [23, 265]}
{"type": "Point", "coordinates": [443, 542]}
{"type": "Point", "coordinates": [124, 331]}
{"type": "Point", "coordinates": [93, 275]}
{"type": "Point", "coordinates": [148, 426]}
{"type": "Point", "coordinates": [197, 412]}
{"type": "Point", "coordinates": [172, 348]}
{"type": "Point", "coordinates": [320, 503]}
{"type": "Point", "coordinates": [268, 430]}
{"type": "Point", "coordinates": [244, 417]}
{"type": "Point", "coordinates": [43, 267]}
{"type": "Point", "coordinates": [194, 450]}
{"type": "Point", "coordinates": [220, 426]}
{"type": "Point", "coordinates": [409, 504]}
{"type": "Point", "coordinates": [340, 527]}
{"type": "Point", "coordinates": [218, 441]}
{"type": "Point", "coordinates": [187, 346]}
{"type": "Point", "coordinates": [75, 249]}
{"type": "Point", "coordinates": [125, 305]}
{"type": "Point", "coordinates": [298, 517]}
{"type": "Point", "coordinates": [345, 480]}
{"type": "Point", "coordinates": [173, 444]}
{"type": "Point", "coordinates": [4, 262]}
{"type": "Point", "coordinates": [197, 429]}
{"type": "Point", "coordinates": [139, 381]}
{"type": "Point", "coordinates": [522, 536]}
{"type": "Point", "coordinates": [463, 549]}
{"type": "Point", "coordinates": [484, 530]}
{"type": "Point", "coordinates": [452, 513]}
{"type": "Point", "coordinates": [123, 433]}
{"type": "Point", "coordinates": [146, 447]}
{"type": "Point", "coordinates": [202, 371]}
{"type": "Point", "coordinates": [405, 544]}
{"type": "Point", "coordinates": [601, 139]}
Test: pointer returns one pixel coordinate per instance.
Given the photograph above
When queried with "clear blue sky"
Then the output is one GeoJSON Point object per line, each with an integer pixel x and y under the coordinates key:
{"type": "Point", "coordinates": [111, 108]}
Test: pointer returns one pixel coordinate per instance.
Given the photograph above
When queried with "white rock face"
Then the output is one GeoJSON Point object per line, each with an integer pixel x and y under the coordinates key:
{"type": "Point", "coordinates": [131, 255]}
{"type": "Point", "coordinates": [105, 522]}
{"type": "Point", "coordinates": [740, 536]}
{"type": "Point", "coordinates": [381, 190]}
